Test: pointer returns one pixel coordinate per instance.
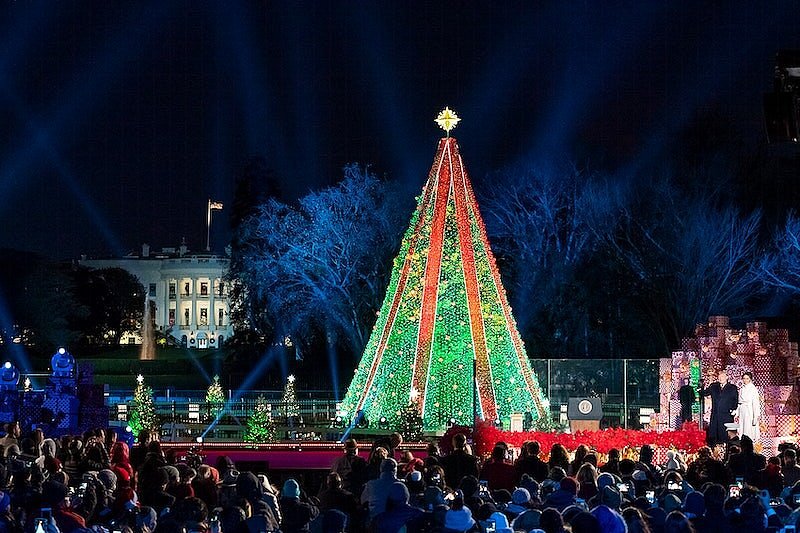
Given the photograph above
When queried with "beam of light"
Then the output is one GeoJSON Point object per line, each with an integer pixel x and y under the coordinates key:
{"type": "Point", "coordinates": [388, 97]}
{"type": "Point", "coordinates": [197, 365]}
{"type": "Point", "coordinates": [302, 68]}
{"type": "Point", "coordinates": [332, 361]}
{"type": "Point", "coordinates": [236, 36]}
{"type": "Point", "coordinates": [691, 94]}
{"type": "Point", "coordinates": [353, 423]}
{"type": "Point", "coordinates": [81, 95]}
{"type": "Point", "coordinates": [263, 364]}
{"type": "Point", "coordinates": [16, 352]}
{"type": "Point", "coordinates": [585, 71]}
{"type": "Point", "coordinates": [90, 208]}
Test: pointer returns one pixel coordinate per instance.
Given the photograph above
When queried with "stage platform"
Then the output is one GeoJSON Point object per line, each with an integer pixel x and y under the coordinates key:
{"type": "Point", "coordinates": [290, 455]}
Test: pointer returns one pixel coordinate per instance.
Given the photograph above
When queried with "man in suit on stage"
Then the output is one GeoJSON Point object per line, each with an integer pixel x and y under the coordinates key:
{"type": "Point", "coordinates": [724, 402]}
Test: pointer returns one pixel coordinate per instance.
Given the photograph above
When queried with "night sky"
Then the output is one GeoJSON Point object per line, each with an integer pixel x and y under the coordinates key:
{"type": "Point", "coordinates": [118, 120]}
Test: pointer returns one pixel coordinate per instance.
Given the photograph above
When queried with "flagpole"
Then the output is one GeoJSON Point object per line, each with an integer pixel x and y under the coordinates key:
{"type": "Point", "coordinates": [208, 226]}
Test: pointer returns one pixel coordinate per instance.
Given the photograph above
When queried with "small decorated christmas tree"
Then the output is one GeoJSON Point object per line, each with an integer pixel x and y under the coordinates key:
{"type": "Point", "coordinates": [143, 412]}
{"type": "Point", "coordinates": [411, 424]}
{"type": "Point", "coordinates": [215, 397]}
{"type": "Point", "coordinates": [289, 400]}
{"type": "Point", "coordinates": [259, 426]}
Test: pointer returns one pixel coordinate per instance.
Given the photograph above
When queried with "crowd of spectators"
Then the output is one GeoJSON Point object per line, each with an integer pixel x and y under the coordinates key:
{"type": "Point", "coordinates": [94, 482]}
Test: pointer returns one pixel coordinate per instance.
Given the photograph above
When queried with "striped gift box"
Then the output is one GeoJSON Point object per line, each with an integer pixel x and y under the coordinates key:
{"type": "Point", "coordinates": [787, 425]}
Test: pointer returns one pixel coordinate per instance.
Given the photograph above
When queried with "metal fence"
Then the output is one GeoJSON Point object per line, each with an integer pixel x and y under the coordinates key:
{"type": "Point", "coordinates": [625, 386]}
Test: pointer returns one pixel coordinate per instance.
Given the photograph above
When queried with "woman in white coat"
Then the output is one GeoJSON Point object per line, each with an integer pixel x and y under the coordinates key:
{"type": "Point", "coordinates": [749, 408]}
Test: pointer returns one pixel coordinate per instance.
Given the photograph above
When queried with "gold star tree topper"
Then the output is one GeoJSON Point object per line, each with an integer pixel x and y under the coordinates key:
{"type": "Point", "coordinates": [447, 120]}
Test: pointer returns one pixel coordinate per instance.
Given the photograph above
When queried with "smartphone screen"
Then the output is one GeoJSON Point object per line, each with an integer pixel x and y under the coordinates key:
{"type": "Point", "coordinates": [622, 487]}
{"type": "Point", "coordinates": [651, 496]}
{"type": "Point", "coordinates": [491, 527]}
{"type": "Point", "coordinates": [734, 491]}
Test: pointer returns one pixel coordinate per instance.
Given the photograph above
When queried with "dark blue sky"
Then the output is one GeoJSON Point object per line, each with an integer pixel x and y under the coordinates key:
{"type": "Point", "coordinates": [119, 119]}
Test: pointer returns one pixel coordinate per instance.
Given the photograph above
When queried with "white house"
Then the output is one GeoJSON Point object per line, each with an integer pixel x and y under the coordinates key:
{"type": "Point", "coordinates": [187, 293]}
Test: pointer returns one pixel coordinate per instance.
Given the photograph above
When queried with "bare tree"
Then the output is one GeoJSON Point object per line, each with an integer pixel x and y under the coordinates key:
{"type": "Point", "coordinates": [322, 266]}
{"type": "Point", "coordinates": [781, 266]}
{"type": "Point", "coordinates": [685, 258]}
{"type": "Point", "coordinates": [540, 230]}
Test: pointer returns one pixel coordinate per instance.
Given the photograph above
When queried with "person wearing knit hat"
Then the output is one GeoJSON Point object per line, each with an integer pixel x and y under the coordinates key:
{"type": "Point", "coordinates": [671, 503]}
{"type": "Point", "coordinates": [611, 497]}
{"type": "Point", "coordinates": [571, 512]}
{"type": "Point", "coordinates": [459, 517]}
{"type": "Point", "coordinates": [527, 520]}
{"type": "Point", "coordinates": [605, 479]}
{"type": "Point", "coordinates": [398, 512]}
{"type": "Point", "coordinates": [376, 492]}
{"type": "Point", "coordinates": [296, 514]}
{"type": "Point", "coordinates": [694, 505]}
{"type": "Point", "coordinates": [501, 523]}
{"type": "Point", "coordinates": [565, 496]}
{"type": "Point", "coordinates": [291, 489]}
{"type": "Point", "coordinates": [610, 520]}
{"type": "Point", "coordinates": [520, 501]}
{"type": "Point", "coordinates": [585, 521]}
{"type": "Point", "coordinates": [109, 480]}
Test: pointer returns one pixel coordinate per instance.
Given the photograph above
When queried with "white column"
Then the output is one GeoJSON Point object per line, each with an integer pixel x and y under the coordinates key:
{"type": "Point", "coordinates": [193, 312]}
{"type": "Point", "coordinates": [212, 317]}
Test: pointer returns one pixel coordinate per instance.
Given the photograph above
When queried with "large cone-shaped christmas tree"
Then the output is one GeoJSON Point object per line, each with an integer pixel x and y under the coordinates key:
{"type": "Point", "coordinates": [445, 310]}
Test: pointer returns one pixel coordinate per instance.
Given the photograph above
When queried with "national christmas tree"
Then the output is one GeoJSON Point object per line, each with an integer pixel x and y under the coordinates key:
{"type": "Point", "coordinates": [143, 412]}
{"type": "Point", "coordinates": [289, 399]}
{"type": "Point", "coordinates": [215, 397]}
{"type": "Point", "coordinates": [260, 427]}
{"type": "Point", "coordinates": [445, 318]}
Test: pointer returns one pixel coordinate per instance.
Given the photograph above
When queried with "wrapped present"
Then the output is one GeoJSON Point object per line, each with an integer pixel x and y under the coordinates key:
{"type": "Point", "coordinates": [777, 393]}
{"type": "Point", "coordinates": [767, 445]}
{"type": "Point", "coordinates": [786, 425]}
{"type": "Point", "coordinates": [792, 406]}
{"type": "Point", "coordinates": [778, 408]}
{"type": "Point", "coordinates": [744, 360]}
{"type": "Point", "coordinates": [719, 320]}
{"type": "Point", "coordinates": [674, 413]}
{"type": "Point", "coordinates": [769, 370]}
{"type": "Point", "coordinates": [778, 335]}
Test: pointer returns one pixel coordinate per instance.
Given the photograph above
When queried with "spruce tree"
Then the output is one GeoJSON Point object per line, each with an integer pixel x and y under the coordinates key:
{"type": "Point", "coordinates": [411, 424]}
{"type": "Point", "coordinates": [289, 400]}
{"type": "Point", "coordinates": [260, 428]}
{"type": "Point", "coordinates": [215, 397]}
{"type": "Point", "coordinates": [143, 411]}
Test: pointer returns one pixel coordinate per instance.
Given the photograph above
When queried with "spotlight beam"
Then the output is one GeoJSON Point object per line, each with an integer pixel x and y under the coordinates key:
{"type": "Point", "coordinates": [81, 95]}
{"type": "Point", "coordinates": [36, 130]}
{"type": "Point", "coordinates": [266, 360]}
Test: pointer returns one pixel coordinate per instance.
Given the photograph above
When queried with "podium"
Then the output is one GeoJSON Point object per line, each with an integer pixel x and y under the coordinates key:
{"type": "Point", "coordinates": [584, 414]}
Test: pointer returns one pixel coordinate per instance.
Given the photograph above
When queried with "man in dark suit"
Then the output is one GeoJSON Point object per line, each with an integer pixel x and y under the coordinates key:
{"type": "Point", "coordinates": [724, 400]}
{"type": "Point", "coordinates": [459, 463]}
{"type": "Point", "coordinates": [687, 397]}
